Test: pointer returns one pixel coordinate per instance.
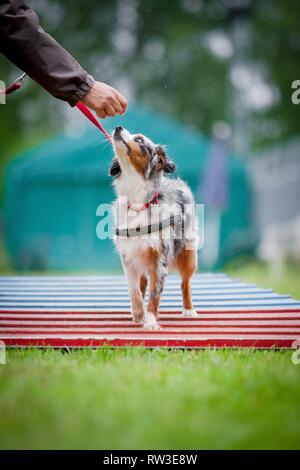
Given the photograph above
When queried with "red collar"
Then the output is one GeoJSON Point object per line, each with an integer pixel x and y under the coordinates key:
{"type": "Point", "coordinates": [146, 205]}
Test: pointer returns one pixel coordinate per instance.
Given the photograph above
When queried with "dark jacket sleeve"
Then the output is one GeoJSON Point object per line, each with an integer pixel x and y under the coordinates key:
{"type": "Point", "coordinates": [24, 42]}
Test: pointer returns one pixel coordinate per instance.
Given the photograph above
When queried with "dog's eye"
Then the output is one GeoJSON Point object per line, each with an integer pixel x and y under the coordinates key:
{"type": "Point", "coordinates": [139, 140]}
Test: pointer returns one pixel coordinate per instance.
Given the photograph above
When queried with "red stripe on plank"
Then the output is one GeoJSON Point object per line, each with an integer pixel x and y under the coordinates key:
{"type": "Point", "coordinates": [115, 323]}
{"type": "Point", "coordinates": [132, 326]}
{"type": "Point", "coordinates": [295, 334]}
{"type": "Point", "coordinates": [164, 326]}
{"type": "Point", "coordinates": [151, 343]}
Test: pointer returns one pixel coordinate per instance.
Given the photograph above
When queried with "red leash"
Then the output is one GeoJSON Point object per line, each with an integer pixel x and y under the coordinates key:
{"type": "Point", "coordinates": [83, 108]}
{"type": "Point", "coordinates": [15, 85]}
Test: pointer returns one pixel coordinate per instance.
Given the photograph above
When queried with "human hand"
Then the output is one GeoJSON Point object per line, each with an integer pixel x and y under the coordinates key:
{"type": "Point", "coordinates": [105, 100]}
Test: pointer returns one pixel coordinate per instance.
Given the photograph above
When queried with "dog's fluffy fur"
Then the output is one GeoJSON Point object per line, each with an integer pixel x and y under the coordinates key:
{"type": "Point", "coordinates": [138, 169]}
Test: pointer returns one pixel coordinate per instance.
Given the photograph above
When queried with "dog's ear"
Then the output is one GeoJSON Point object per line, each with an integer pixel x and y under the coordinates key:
{"type": "Point", "coordinates": [165, 163]}
{"type": "Point", "coordinates": [115, 169]}
{"type": "Point", "coordinates": [169, 166]}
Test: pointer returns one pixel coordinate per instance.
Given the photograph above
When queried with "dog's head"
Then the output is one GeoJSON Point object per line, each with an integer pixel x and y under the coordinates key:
{"type": "Point", "coordinates": [139, 152]}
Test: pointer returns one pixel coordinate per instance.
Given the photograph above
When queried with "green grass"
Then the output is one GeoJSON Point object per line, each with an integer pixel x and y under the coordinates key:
{"type": "Point", "coordinates": [149, 399]}
{"type": "Point", "coordinates": [154, 399]}
{"type": "Point", "coordinates": [283, 281]}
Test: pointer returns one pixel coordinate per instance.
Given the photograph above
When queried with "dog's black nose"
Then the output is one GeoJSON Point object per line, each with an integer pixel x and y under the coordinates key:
{"type": "Point", "coordinates": [118, 129]}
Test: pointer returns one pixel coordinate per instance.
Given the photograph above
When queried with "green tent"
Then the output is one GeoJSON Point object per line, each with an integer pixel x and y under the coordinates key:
{"type": "Point", "coordinates": [52, 193]}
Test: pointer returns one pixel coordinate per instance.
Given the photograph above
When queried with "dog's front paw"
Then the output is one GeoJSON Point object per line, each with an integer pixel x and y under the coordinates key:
{"type": "Point", "coordinates": [150, 322]}
{"type": "Point", "coordinates": [186, 313]}
{"type": "Point", "coordinates": [137, 317]}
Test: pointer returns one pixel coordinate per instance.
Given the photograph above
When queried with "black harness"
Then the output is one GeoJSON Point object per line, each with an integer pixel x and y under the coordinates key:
{"type": "Point", "coordinates": [158, 227]}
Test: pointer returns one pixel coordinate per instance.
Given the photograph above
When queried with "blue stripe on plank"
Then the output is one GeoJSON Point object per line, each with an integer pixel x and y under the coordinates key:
{"type": "Point", "coordinates": [114, 287]}
{"type": "Point", "coordinates": [105, 278]}
{"type": "Point", "coordinates": [164, 299]}
{"type": "Point", "coordinates": [110, 277]}
{"type": "Point", "coordinates": [113, 282]}
{"type": "Point", "coordinates": [176, 282]}
{"type": "Point", "coordinates": [103, 297]}
{"type": "Point", "coordinates": [125, 293]}
{"type": "Point", "coordinates": [104, 291]}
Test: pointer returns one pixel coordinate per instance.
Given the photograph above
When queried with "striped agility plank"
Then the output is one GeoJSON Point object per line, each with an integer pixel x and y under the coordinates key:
{"type": "Point", "coordinates": [94, 311]}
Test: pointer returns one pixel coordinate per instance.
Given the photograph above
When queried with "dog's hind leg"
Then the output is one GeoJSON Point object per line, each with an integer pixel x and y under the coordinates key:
{"type": "Point", "coordinates": [186, 263]}
{"type": "Point", "coordinates": [143, 285]}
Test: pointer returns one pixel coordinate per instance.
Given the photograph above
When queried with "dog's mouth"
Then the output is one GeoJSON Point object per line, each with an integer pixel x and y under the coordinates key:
{"type": "Point", "coordinates": [117, 134]}
{"type": "Point", "coordinates": [119, 137]}
{"type": "Point", "coordinates": [120, 134]}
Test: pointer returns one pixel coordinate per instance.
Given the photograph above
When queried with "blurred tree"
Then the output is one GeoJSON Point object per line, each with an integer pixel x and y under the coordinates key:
{"type": "Point", "coordinates": [276, 51]}
{"type": "Point", "coordinates": [176, 56]}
